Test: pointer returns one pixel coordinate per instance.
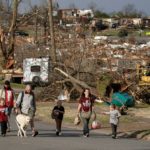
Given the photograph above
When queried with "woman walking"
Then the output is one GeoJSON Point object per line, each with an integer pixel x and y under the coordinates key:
{"type": "Point", "coordinates": [7, 93]}
{"type": "Point", "coordinates": [85, 109]}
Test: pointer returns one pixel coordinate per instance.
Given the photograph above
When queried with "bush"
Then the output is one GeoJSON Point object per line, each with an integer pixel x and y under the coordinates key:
{"type": "Point", "coordinates": [123, 33]}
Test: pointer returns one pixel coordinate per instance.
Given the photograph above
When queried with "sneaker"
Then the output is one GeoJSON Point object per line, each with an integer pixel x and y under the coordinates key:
{"type": "Point", "coordinates": [114, 137]}
{"type": "Point", "coordinates": [3, 135]}
{"type": "Point", "coordinates": [60, 133]}
{"type": "Point", "coordinates": [8, 129]}
{"type": "Point", "coordinates": [86, 135]}
{"type": "Point", "coordinates": [57, 133]}
{"type": "Point", "coordinates": [35, 133]}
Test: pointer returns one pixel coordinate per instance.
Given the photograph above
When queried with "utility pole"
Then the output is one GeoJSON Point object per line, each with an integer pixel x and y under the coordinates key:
{"type": "Point", "coordinates": [53, 48]}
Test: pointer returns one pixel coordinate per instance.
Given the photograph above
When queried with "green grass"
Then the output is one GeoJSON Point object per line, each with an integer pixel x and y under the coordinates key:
{"type": "Point", "coordinates": [114, 32]}
{"type": "Point", "coordinates": [128, 119]}
{"type": "Point", "coordinates": [68, 119]}
{"type": "Point", "coordinates": [108, 32]}
{"type": "Point", "coordinates": [14, 85]}
{"type": "Point", "coordinates": [142, 105]}
{"type": "Point", "coordinates": [20, 86]}
{"type": "Point", "coordinates": [101, 84]}
{"type": "Point", "coordinates": [44, 110]}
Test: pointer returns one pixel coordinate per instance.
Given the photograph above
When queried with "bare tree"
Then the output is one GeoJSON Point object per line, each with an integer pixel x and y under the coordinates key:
{"type": "Point", "coordinates": [43, 3]}
{"type": "Point", "coordinates": [7, 50]}
{"type": "Point", "coordinates": [53, 48]}
{"type": "Point", "coordinates": [13, 28]}
{"type": "Point", "coordinates": [72, 6]}
{"type": "Point", "coordinates": [1, 5]}
{"type": "Point", "coordinates": [129, 10]}
{"type": "Point", "coordinates": [92, 5]}
{"type": "Point", "coordinates": [28, 4]}
{"type": "Point", "coordinates": [6, 5]}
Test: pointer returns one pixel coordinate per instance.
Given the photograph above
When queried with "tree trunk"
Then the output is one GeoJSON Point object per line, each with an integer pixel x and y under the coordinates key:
{"type": "Point", "coordinates": [2, 49]}
{"type": "Point", "coordinates": [53, 48]}
{"type": "Point", "coordinates": [45, 26]}
{"type": "Point", "coordinates": [36, 26]}
{"type": "Point", "coordinates": [12, 29]}
{"type": "Point", "coordinates": [78, 82]}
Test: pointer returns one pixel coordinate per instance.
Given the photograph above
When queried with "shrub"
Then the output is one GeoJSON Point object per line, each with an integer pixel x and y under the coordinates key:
{"type": "Point", "coordinates": [123, 33]}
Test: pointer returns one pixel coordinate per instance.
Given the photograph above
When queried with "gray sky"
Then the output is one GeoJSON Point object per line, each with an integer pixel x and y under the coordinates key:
{"type": "Point", "coordinates": [109, 5]}
{"type": "Point", "coordinates": [104, 5]}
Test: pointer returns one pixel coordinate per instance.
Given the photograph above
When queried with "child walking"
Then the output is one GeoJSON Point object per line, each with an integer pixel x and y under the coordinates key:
{"type": "Point", "coordinates": [3, 117]}
{"type": "Point", "coordinates": [58, 112]}
{"type": "Point", "coordinates": [114, 119]}
{"type": "Point", "coordinates": [8, 94]}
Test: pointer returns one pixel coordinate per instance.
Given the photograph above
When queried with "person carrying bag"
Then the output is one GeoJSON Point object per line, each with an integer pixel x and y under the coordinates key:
{"type": "Point", "coordinates": [85, 109]}
{"type": "Point", "coordinates": [95, 124]}
{"type": "Point", "coordinates": [58, 114]}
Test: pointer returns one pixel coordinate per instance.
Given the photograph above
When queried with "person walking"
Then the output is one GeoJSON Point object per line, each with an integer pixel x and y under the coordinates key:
{"type": "Point", "coordinates": [57, 114]}
{"type": "Point", "coordinates": [26, 105]}
{"type": "Point", "coordinates": [7, 93]}
{"type": "Point", "coordinates": [85, 108]}
{"type": "Point", "coordinates": [3, 116]}
{"type": "Point", "coordinates": [114, 119]}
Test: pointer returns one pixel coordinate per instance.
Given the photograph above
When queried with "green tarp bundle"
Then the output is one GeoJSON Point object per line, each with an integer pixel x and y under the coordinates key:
{"type": "Point", "coordinates": [120, 99]}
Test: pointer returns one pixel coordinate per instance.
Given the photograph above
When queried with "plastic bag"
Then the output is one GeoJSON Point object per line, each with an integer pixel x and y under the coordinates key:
{"type": "Point", "coordinates": [77, 120]}
{"type": "Point", "coordinates": [95, 124]}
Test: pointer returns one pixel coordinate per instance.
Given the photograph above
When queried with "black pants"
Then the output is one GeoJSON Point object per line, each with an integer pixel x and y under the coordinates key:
{"type": "Point", "coordinates": [114, 129]}
{"type": "Point", "coordinates": [58, 124]}
{"type": "Point", "coordinates": [3, 127]}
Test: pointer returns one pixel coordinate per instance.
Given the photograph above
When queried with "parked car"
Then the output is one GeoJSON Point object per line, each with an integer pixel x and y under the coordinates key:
{"type": "Point", "coordinates": [100, 26]}
{"type": "Point", "coordinates": [114, 25]}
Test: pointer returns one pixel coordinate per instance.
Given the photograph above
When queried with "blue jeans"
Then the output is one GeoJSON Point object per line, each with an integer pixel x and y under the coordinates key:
{"type": "Point", "coordinates": [85, 124]}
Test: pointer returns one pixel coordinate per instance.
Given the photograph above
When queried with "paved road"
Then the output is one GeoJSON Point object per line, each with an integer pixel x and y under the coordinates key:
{"type": "Point", "coordinates": [71, 139]}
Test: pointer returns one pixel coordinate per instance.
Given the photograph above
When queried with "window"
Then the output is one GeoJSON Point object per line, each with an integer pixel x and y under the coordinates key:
{"type": "Point", "coordinates": [35, 68]}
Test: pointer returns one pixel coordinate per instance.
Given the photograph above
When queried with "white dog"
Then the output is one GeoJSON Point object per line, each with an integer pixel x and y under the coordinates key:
{"type": "Point", "coordinates": [22, 122]}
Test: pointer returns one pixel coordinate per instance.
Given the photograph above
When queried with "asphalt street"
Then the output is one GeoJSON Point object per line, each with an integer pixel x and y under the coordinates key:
{"type": "Point", "coordinates": [71, 139]}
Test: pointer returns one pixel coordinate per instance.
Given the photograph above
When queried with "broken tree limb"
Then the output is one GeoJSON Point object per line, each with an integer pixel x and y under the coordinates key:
{"type": "Point", "coordinates": [72, 79]}
{"type": "Point", "coordinates": [76, 81]}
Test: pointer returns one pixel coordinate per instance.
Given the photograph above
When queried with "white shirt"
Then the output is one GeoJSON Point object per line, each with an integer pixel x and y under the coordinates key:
{"type": "Point", "coordinates": [114, 116]}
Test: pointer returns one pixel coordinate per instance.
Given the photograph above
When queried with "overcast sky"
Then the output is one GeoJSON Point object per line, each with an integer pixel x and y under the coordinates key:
{"type": "Point", "coordinates": [104, 5]}
{"type": "Point", "coordinates": [108, 5]}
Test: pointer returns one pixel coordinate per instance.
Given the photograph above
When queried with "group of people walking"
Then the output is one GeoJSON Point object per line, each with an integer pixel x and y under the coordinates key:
{"type": "Point", "coordinates": [25, 104]}
{"type": "Point", "coordinates": [6, 104]}
{"type": "Point", "coordinates": [86, 108]}
{"type": "Point", "coordinates": [84, 112]}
